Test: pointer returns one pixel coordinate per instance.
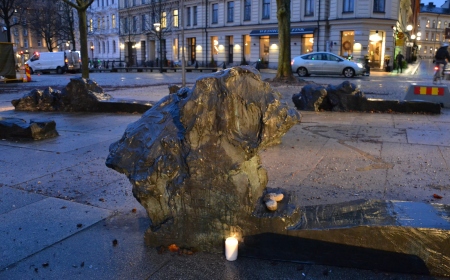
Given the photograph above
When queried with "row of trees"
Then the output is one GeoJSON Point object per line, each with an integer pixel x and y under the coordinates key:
{"type": "Point", "coordinates": [52, 20]}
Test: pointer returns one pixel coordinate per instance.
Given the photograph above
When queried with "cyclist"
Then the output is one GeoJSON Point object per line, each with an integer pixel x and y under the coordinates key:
{"type": "Point", "coordinates": [442, 57]}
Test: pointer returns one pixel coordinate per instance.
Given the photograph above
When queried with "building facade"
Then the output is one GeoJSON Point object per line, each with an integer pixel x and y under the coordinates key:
{"type": "Point", "coordinates": [245, 31]}
{"type": "Point", "coordinates": [103, 33]}
{"type": "Point", "coordinates": [433, 28]}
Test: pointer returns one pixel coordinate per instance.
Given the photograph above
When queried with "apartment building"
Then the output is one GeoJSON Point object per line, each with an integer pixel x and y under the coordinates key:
{"type": "Point", "coordinates": [103, 33]}
{"type": "Point", "coordinates": [246, 31]}
{"type": "Point", "coordinates": [433, 28]}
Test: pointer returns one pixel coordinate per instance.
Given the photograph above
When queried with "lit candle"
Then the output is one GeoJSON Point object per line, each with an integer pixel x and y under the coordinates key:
{"type": "Point", "coordinates": [231, 248]}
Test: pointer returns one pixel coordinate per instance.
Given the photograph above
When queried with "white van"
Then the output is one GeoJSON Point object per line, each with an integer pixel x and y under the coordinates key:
{"type": "Point", "coordinates": [59, 62]}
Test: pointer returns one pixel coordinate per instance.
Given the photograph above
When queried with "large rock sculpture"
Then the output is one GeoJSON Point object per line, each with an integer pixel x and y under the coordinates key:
{"type": "Point", "coordinates": [194, 164]}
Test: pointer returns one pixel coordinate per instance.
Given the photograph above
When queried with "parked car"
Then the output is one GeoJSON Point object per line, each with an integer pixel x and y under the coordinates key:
{"type": "Point", "coordinates": [325, 63]}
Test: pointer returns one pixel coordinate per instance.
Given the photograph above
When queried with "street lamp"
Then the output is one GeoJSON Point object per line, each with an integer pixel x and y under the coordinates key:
{"type": "Point", "coordinates": [409, 28]}
{"type": "Point", "coordinates": [158, 31]}
{"type": "Point", "coordinates": [122, 47]}
{"type": "Point", "coordinates": [92, 50]}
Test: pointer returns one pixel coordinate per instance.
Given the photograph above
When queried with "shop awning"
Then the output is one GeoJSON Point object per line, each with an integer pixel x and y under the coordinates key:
{"type": "Point", "coordinates": [274, 31]}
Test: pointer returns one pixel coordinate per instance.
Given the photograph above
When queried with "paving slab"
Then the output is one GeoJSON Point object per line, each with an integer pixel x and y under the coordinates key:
{"type": "Point", "coordinates": [32, 228]}
{"type": "Point", "coordinates": [12, 199]}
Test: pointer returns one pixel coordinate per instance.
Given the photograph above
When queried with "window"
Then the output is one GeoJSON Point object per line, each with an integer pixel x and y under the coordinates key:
{"type": "Point", "coordinates": [113, 19]}
{"type": "Point", "coordinates": [114, 46]}
{"type": "Point", "coordinates": [175, 18]}
{"type": "Point", "coordinates": [309, 7]}
{"type": "Point", "coordinates": [247, 10]}
{"type": "Point", "coordinates": [426, 36]}
{"type": "Point", "coordinates": [144, 1]}
{"type": "Point", "coordinates": [103, 45]}
{"type": "Point", "coordinates": [428, 24]}
{"type": "Point", "coordinates": [16, 32]}
{"type": "Point", "coordinates": [215, 13]}
{"type": "Point", "coordinates": [39, 43]}
{"type": "Point", "coordinates": [125, 25]}
{"type": "Point", "coordinates": [126, 3]}
{"type": "Point", "coordinates": [378, 6]}
{"type": "Point", "coordinates": [195, 15]}
{"type": "Point", "coordinates": [135, 23]}
{"type": "Point", "coordinates": [91, 25]}
{"type": "Point", "coordinates": [143, 23]}
{"type": "Point", "coordinates": [163, 20]}
{"type": "Point", "coordinates": [230, 11]}
{"type": "Point", "coordinates": [107, 22]}
{"type": "Point", "coordinates": [25, 32]}
{"type": "Point", "coordinates": [188, 16]}
{"type": "Point", "coordinates": [25, 43]}
{"type": "Point", "coordinates": [107, 46]}
{"type": "Point", "coordinates": [349, 6]}
{"type": "Point", "coordinates": [437, 36]}
{"type": "Point", "coordinates": [134, 2]}
{"type": "Point", "coordinates": [266, 9]}
{"type": "Point", "coordinates": [99, 24]}
{"type": "Point", "coordinates": [439, 24]}
{"type": "Point", "coordinates": [434, 24]}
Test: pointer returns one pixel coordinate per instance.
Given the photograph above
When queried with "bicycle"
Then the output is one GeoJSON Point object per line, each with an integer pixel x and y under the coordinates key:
{"type": "Point", "coordinates": [438, 73]}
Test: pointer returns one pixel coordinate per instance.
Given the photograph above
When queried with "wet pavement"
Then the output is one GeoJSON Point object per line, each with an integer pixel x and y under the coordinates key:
{"type": "Point", "coordinates": [65, 215]}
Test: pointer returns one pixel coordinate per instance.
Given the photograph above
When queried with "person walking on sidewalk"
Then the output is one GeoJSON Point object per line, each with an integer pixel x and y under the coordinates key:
{"type": "Point", "coordinates": [399, 60]}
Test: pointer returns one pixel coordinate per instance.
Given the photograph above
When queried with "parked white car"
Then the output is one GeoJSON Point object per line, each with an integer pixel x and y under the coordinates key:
{"type": "Point", "coordinates": [325, 63]}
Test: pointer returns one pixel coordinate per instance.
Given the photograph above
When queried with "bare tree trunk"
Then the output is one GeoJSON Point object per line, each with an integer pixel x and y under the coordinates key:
{"type": "Point", "coordinates": [83, 43]}
{"type": "Point", "coordinates": [81, 8]}
{"type": "Point", "coordinates": [284, 72]}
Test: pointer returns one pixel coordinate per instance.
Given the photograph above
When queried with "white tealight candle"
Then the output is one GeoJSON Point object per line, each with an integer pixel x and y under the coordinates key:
{"type": "Point", "coordinates": [231, 248]}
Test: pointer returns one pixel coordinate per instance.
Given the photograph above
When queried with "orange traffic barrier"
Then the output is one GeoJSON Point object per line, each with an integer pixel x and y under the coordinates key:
{"type": "Point", "coordinates": [27, 72]}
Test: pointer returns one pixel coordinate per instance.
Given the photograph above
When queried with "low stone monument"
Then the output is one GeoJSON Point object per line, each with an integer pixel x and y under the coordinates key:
{"type": "Point", "coordinates": [347, 97]}
{"type": "Point", "coordinates": [194, 164]}
{"type": "Point", "coordinates": [15, 128]}
{"type": "Point", "coordinates": [80, 95]}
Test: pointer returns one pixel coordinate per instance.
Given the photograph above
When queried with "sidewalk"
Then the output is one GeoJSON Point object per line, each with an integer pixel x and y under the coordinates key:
{"type": "Point", "coordinates": [65, 215]}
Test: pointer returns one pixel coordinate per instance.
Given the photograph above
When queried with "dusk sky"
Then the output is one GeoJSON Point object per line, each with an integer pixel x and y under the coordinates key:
{"type": "Point", "coordinates": [438, 3]}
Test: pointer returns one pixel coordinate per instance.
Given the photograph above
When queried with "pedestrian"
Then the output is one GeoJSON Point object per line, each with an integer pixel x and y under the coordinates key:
{"type": "Point", "coordinates": [399, 60]}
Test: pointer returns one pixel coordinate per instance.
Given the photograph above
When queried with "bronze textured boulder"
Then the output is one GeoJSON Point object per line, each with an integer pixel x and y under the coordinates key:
{"type": "Point", "coordinates": [194, 164]}
{"type": "Point", "coordinates": [14, 128]}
